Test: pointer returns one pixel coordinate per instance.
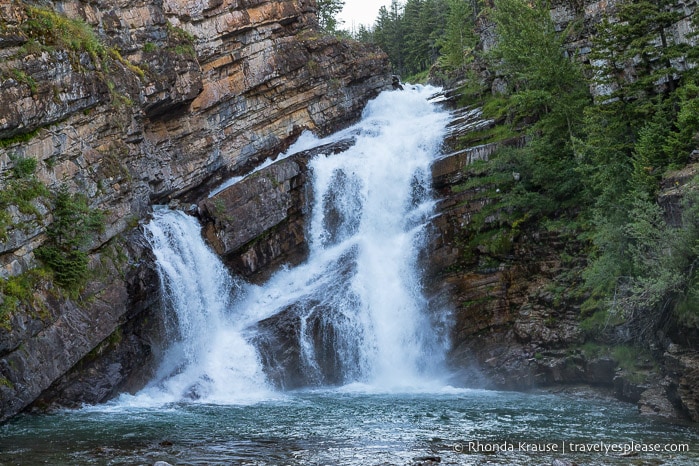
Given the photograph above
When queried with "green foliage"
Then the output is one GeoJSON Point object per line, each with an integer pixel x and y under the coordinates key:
{"type": "Point", "coordinates": [116, 55]}
{"type": "Point", "coordinates": [683, 136]}
{"type": "Point", "coordinates": [550, 103]}
{"type": "Point", "coordinates": [73, 228]}
{"type": "Point", "coordinates": [528, 48]}
{"type": "Point", "coordinates": [327, 14]}
{"type": "Point", "coordinates": [23, 167]}
{"type": "Point", "coordinates": [496, 133]}
{"type": "Point", "coordinates": [21, 189]}
{"type": "Point", "coordinates": [545, 83]}
{"type": "Point", "coordinates": [418, 78]}
{"type": "Point", "coordinates": [5, 382]}
{"type": "Point", "coordinates": [412, 34]}
{"type": "Point", "coordinates": [47, 30]}
{"type": "Point", "coordinates": [648, 160]}
{"type": "Point", "coordinates": [54, 30]}
{"type": "Point", "coordinates": [424, 23]}
{"type": "Point", "coordinates": [459, 41]}
{"type": "Point", "coordinates": [631, 359]}
{"type": "Point", "coordinates": [18, 290]}
{"type": "Point", "coordinates": [640, 36]}
{"type": "Point", "coordinates": [69, 267]}
{"type": "Point", "coordinates": [640, 265]}
{"type": "Point", "coordinates": [388, 34]}
{"type": "Point", "coordinates": [181, 41]}
{"type": "Point", "coordinates": [687, 307]}
{"type": "Point", "coordinates": [19, 138]}
{"type": "Point", "coordinates": [643, 263]}
{"type": "Point", "coordinates": [24, 78]}
{"type": "Point", "coordinates": [596, 325]}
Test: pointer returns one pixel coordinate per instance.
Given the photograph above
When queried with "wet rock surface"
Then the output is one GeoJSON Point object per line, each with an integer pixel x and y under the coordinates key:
{"type": "Point", "coordinates": [259, 223]}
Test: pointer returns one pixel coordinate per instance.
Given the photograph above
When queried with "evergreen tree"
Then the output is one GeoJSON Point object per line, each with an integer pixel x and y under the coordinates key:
{"type": "Point", "coordinates": [388, 34]}
{"type": "Point", "coordinates": [546, 88]}
{"type": "Point", "coordinates": [459, 39]}
{"type": "Point", "coordinates": [645, 123]}
{"type": "Point", "coordinates": [635, 55]}
{"type": "Point", "coordinates": [327, 13]}
{"type": "Point", "coordinates": [424, 24]}
{"type": "Point", "coordinates": [411, 35]}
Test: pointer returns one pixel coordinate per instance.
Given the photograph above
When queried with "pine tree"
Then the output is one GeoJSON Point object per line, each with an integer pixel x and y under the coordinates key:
{"type": "Point", "coordinates": [459, 39]}
{"type": "Point", "coordinates": [327, 13]}
{"type": "Point", "coordinates": [635, 55]}
{"type": "Point", "coordinates": [388, 34]}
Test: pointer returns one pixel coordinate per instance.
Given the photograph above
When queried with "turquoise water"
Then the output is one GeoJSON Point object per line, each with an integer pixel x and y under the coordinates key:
{"type": "Point", "coordinates": [349, 427]}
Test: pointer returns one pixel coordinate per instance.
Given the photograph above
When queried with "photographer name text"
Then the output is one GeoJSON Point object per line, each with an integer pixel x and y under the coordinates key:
{"type": "Point", "coordinates": [607, 448]}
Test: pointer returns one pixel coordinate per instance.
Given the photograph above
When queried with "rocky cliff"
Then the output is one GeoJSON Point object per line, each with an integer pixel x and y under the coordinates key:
{"type": "Point", "coordinates": [130, 104]}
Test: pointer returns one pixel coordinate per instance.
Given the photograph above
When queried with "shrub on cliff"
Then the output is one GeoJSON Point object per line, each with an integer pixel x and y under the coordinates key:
{"type": "Point", "coordinates": [73, 227]}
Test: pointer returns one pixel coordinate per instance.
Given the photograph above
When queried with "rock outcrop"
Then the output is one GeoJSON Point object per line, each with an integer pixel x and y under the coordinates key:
{"type": "Point", "coordinates": [134, 103]}
{"type": "Point", "coordinates": [180, 97]}
{"type": "Point", "coordinates": [259, 222]}
{"type": "Point", "coordinates": [53, 334]}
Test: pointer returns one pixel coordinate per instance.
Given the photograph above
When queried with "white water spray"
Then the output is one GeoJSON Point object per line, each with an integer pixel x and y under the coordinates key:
{"type": "Point", "coordinates": [208, 358]}
{"type": "Point", "coordinates": [357, 302]}
{"type": "Point", "coordinates": [360, 291]}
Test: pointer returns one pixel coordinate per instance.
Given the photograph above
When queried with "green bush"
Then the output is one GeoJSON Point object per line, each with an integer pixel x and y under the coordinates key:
{"type": "Point", "coordinates": [21, 189]}
{"type": "Point", "coordinates": [23, 167]}
{"type": "Point", "coordinates": [17, 290]}
{"type": "Point", "coordinates": [53, 29]}
{"type": "Point", "coordinates": [65, 252]}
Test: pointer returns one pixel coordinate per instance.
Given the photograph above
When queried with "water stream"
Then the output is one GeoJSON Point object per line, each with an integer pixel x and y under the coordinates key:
{"type": "Point", "coordinates": [351, 326]}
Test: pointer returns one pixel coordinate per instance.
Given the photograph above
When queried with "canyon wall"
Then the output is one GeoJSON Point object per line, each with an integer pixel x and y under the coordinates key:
{"type": "Point", "coordinates": [131, 104]}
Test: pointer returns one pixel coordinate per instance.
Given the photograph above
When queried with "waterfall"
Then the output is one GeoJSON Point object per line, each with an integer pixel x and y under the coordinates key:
{"type": "Point", "coordinates": [353, 312]}
{"type": "Point", "coordinates": [208, 356]}
{"type": "Point", "coordinates": [356, 308]}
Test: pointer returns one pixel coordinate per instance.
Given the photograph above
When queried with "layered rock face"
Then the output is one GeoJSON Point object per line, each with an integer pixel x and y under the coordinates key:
{"type": "Point", "coordinates": [259, 223]}
{"type": "Point", "coordinates": [135, 103]}
{"type": "Point", "coordinates": [188, 94]}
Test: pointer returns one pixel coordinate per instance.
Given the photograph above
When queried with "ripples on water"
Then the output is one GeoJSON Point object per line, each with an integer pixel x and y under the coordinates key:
{"type": "Point", "coordinates": [341, 427]}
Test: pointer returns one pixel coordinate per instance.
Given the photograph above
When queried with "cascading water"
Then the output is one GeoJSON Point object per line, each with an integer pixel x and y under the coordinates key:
{"type": "Point", "coordinates": [354, 312]}
{"type": "Point", "coordinates": [208, 357]}
{"type": "Point", "coordinates": [358, 300]}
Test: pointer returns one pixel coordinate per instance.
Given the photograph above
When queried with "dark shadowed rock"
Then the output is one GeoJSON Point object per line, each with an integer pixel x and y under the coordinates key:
{"type": "Point", "coordinates": [304, 343]}
{"type": "Point", "coordinates": [259, 222]}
